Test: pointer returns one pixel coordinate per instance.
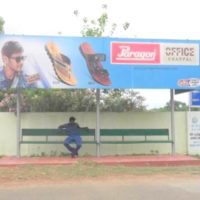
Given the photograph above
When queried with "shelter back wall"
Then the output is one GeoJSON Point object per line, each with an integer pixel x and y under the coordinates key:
{"type": "Point", "coordinates": [8, 137]}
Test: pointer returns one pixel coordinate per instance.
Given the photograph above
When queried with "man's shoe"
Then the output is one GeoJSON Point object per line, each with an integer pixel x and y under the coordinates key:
{"type": "Point", "coordinates": [73, 155]}
{"type": "Point", "coordinates": [76, 154]}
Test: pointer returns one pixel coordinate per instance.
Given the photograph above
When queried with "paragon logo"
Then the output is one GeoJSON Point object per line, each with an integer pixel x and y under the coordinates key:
{"type": "Point", "coordinates": [135, 53]}
{"type": "Point", "coordinates": [126, 53]}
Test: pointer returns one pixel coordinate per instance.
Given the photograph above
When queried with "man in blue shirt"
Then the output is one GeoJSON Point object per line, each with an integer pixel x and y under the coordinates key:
{"type": "Point", "coordinates": [73, 130]}
{"type": "Point", "coordinates": [11, 74]}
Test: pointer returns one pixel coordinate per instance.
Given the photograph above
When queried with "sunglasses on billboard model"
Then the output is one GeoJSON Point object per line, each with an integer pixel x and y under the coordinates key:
{"type": "Point", "coordinates": [18, 58]}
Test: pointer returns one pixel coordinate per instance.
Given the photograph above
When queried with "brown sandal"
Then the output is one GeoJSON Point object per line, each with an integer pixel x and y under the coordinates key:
{"type": "Point", "coordinates": [93, 61]}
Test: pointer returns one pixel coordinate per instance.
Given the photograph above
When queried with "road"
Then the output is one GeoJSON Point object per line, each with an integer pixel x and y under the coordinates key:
{"type": "Point", "coordinates": [134, 188]}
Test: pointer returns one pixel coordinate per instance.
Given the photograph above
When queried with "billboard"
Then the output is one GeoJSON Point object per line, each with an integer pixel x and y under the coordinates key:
{"type": "Point", "coordinates": [88, 62]}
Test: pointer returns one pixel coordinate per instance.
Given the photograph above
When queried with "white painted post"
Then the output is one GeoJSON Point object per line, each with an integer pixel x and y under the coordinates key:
{"type": "Point", "coordinates": [172, 121]}
{"type": "Point", "coordinates": [18, 113]}
{"type": "Point", "coordinates": [98, 122]}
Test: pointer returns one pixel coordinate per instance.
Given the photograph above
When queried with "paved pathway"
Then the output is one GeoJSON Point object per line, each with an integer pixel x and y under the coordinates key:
{"type": "Point", "coordinates": [159, 160]}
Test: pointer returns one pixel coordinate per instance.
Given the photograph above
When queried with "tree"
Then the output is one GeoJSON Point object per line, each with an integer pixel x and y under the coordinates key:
{"type": "Point", "coordinates": [122, 100]}
{"type": "Point", "coordinates": [1, 24]}
{"type": "Point", "coordinates": [58, 100]}
{"type": "Point", "coordinates": [99, 27]}
{"type": "Point", "coordinates": [178, 106]}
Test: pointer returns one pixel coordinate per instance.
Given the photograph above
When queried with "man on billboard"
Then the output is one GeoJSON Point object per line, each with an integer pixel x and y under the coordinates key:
{"type": "Point", "coordinates": [11, 74]}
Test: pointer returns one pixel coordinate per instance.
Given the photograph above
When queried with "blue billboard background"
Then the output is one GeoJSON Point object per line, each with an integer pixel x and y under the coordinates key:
{"type": "Point", "coordinates": [95, 63]}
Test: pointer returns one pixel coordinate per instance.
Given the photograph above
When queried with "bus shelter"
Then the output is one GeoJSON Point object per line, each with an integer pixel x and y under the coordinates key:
{"type": "Point", "coordinates": [100, 63]}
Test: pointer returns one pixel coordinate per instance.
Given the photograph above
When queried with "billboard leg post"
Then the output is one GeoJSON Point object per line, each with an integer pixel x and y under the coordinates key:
{"type": "Point", "coordinates": [18, 113]}
{"type": "Point", "coordinates": [98, 123]}
{"type": "Point", "coordinates": [172, 121]}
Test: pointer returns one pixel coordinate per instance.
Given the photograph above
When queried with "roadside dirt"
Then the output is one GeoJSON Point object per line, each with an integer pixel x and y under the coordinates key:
{"type": "Point", "coordinates": [151, 179]}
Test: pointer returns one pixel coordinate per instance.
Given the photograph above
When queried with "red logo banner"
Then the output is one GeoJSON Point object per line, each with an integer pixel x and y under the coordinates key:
{"type": "Point", "coordinates": [135, 53]}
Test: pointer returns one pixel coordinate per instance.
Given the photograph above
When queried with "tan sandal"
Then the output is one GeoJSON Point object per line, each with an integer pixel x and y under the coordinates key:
{"type": "Point", "coordinates": [61, 64]}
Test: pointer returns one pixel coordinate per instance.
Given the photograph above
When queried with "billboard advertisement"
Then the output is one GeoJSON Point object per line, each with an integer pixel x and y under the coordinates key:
{"type": "Point", "coordinates": [88, 62]}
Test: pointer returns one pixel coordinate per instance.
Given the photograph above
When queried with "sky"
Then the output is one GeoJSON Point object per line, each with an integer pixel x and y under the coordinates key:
{"type": "Point", "coordinates": [159, 19]}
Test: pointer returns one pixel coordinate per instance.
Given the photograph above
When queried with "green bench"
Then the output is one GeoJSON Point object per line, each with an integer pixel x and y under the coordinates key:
{"type": "Point", "coordinates": [50, 136]}
{"type": "Point", "coordinates": [136, 136]}
{"type": "Point", "coordinates": [107, 136]}
{"type": "Point", "coordinates": [125, 136]}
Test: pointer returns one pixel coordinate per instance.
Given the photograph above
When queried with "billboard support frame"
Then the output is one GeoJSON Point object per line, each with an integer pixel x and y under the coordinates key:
{"type": "Point", "coordinates": [172, 121]}
{"type": "Point", "coordinates": [98, 154]}
{"type": "Point", "coordinates": [18, 125]}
